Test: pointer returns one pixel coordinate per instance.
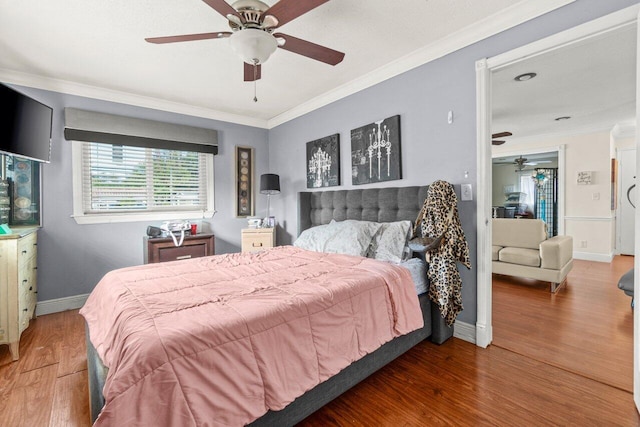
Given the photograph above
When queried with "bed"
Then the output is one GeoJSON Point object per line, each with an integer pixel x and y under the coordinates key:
{"type": "Point", "coordinates": [315, 209]}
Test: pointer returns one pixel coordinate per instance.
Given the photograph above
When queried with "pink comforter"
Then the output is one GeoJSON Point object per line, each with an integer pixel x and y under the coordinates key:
{"type": "Point", "coordinates": [218, 341]}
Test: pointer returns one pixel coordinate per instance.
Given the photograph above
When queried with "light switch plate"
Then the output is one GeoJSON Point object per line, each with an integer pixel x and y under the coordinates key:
{"type": "Point", "coordinates": [466, 192]}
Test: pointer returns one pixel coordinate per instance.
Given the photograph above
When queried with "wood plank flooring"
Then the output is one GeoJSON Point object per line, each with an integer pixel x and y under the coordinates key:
{"type": "Point", "coordinates": [583, 380]}
{"type": "Point", "coordinates": [585, 328]}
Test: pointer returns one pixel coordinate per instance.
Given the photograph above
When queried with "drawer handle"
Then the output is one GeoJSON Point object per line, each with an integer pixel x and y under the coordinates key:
{"type": "Point", "coordinates": [24, 281]}
{"type": "Point", "coordinates": [257, 245]}
{"type": "Point", "coordinates": [25, 309]}
{"type": "Point", "coordinates": [30, 288]}
{"type": "Point", "coordinates": [24, 252]}
{"type": "Point", "coordinates": [183, 257]}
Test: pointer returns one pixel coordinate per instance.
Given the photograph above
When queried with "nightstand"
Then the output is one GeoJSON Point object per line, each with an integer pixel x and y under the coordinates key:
{"type": "Point", "coordinates": [255, 239]}
{"type": "Point", "coordinates": [162, 249]}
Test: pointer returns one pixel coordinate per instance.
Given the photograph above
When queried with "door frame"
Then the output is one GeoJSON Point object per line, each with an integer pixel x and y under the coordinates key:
{"type": "Point", "coordinates": [484, 68]}
{"type": "Point", "coordinates": [621, 193]}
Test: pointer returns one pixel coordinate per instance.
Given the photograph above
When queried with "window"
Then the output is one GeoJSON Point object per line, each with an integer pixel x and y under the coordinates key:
{"type": "Point", "coordinates": [118, 183]}
{"type": "Point", "coordinates": [527, 186]}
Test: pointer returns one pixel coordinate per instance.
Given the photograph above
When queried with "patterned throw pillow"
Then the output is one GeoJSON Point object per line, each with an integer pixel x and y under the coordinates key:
{"type": "Point", "coordinates": [390, 242]}
{"type": "Point", "coordinates": [348, 237]}
{"type": "Point", "coordinates": [314, 238]}
{"type": "Point", "coordinates": [351, 237]}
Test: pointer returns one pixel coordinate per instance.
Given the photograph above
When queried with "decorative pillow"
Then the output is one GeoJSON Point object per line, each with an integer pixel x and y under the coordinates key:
{"type": "Point", "coordinates": [351, 237]}
{"type": "Point", "coordinates": [315, 238]}
{"type": "Point", "coordinates": [390, 242]}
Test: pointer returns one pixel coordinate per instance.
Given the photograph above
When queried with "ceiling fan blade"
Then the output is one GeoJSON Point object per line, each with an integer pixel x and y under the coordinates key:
{"type": "Point", "coordinates": [494, 142]}
{"type": "Point", "coordinates": [223, 8]}
{"type": "Point", "coordinates": [188, 37]}
{"type": "Point", "coordinates": [501, 134]}
{"type": "Point", "coordinates": [288, 10]}
{"type": "Point", "coordinates": [310, 50]}
{"type": "Point", "coordinates": [249, 72]}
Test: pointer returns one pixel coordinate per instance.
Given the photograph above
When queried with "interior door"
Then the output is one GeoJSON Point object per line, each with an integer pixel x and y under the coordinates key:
{"type": "Point", "coordinates": [627, 201]}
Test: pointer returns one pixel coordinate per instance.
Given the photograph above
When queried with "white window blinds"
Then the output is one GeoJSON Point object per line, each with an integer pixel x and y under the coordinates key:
{"type": "Point", "coordinates": [125, 179]}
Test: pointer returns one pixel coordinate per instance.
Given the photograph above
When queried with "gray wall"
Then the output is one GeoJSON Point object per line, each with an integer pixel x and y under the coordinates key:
{"type": "Point", "coordinates": [72, 258]}
{"type": "Point", "coordinates": [431, 148]}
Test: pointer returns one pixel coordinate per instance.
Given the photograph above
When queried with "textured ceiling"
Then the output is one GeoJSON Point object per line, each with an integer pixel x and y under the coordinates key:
{"type": "Point", "coordinates": [97, 48]}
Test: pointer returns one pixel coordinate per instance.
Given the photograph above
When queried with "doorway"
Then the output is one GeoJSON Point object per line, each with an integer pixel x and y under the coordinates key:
{"type": "Point", "coordinates": [625, 19]}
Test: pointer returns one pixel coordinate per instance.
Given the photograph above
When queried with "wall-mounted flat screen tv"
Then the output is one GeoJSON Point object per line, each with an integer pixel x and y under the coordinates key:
{"type": "Point", "coordinates": [25, 126]}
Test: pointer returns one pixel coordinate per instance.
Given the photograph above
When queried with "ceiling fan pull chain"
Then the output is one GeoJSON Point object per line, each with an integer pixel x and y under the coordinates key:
{"type": "Point", "coordinates": [255, 80]}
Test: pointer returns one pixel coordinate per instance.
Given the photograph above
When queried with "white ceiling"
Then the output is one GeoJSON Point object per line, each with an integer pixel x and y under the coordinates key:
{"type": "Point", "coordinates": [96, 48]}
{"type": "Point", "coordinates": [592, 81]}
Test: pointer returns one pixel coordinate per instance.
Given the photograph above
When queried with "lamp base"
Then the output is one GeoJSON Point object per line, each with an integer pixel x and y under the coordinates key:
{"type": "Point", "coordinates": [269, 222]}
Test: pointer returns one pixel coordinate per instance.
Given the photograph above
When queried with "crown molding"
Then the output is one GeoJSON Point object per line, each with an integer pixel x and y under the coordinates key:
{"type": "Point", "coordinates": [95, 92]}
{"type": "Point", "coordinates": [485, 28]}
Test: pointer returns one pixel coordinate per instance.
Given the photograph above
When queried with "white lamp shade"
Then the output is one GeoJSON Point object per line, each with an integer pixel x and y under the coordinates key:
{"type": "Point", "coordinates": [253, 45]}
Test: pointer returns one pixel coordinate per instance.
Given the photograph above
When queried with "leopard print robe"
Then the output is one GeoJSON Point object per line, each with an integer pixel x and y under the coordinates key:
{"type": "Point", "coordinates": [445, 287]}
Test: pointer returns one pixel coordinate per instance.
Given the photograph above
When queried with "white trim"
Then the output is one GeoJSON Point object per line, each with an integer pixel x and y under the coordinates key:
{"type": "Point", "coordinates": [484, 331]}
{"type": "Point", "coordinates": [505, 19]}
{"type": "Point", "coordinates": [605, 24]}
{"type": "Point", "coordinates": [620, 132]}
{"type": "Point", "coordinates": [464, 331]}
{"type": "Point", "coordinates": [636, 263]}
{"type": "Point", "coordinates": [484, 67]}
{"type": "Point", "coordinates": [88, 91]}
{"type": "Point", "coordinates": [58, 305]}
{"type": "Point", "coordinates": [590, 256]}
{"type": "Point", "coordinates": [589, 218]}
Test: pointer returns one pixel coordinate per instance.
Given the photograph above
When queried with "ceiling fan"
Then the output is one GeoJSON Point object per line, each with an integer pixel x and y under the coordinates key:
{"type": "Point", "coordinates": [521, 162]}
{"type": "Point", "coordinates": [499, 135]}
{"type": "Point", "coordinates": [253, 25]}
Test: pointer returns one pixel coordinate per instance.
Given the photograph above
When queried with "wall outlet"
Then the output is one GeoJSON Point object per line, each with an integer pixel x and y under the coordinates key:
{"type": "Point", "coordinates": [583, 244]}
{"type": "Point", "coordinates": [466, 193]}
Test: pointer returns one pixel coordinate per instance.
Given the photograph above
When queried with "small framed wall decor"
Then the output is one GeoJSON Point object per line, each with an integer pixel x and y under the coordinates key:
{"type": "Point", "coordinates": [375, 152]}
{"type": "Point", "coordinates": [244, 182]}
{"type": "Point", "coordinates": [323, 162]}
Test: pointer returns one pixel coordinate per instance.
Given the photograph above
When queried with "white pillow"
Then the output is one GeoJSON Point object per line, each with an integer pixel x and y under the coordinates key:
{"type": "Point", "coordinates": [390, 242]}
{"type": "Point", "coordinates": [351, 237]}
{"type": "Point", "coordinates": [348, 237]}
{"type": "Point", "coordinates": [314, 238]}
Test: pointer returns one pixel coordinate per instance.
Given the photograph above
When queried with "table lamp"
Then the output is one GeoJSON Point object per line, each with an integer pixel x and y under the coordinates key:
{"type": "Point", "coordinates": [269, 184]}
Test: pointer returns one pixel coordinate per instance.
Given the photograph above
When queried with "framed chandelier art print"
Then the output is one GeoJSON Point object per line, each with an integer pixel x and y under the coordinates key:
{"type": "Point", "coordinates": [375, 152]}
{"type": "Point", "coordinates": [323, 162]}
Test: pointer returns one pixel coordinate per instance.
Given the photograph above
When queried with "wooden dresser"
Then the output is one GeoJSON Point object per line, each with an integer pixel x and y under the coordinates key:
{"type": "Point", "coordinates": [255, 239]}
{"type": "Point", "coordinates": [162, 249]}
{"type": "Point", "coordinates": [18, 285]}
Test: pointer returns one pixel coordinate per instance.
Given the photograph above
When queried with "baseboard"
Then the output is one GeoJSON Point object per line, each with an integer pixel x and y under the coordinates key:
{"type": "Point", "coordinates": [588, 256]}
{"type": "Point", "coordinates": [60, 304]}
{"type": "Point", "coordinates": [464, 331]}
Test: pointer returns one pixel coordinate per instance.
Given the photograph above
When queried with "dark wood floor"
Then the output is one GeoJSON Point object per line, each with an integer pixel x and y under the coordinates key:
{"type": "Point", "coordinates": [547, 366]}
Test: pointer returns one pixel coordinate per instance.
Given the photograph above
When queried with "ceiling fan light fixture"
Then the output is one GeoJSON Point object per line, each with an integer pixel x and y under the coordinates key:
{"type": "Point", "coordinates": [524, 77]}
{"type": "Point", "coordinates": [254, 46]}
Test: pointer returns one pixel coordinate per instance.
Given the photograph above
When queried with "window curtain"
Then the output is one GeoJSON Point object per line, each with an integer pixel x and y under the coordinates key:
{"type": "Point", "coordinates": [527, 186]}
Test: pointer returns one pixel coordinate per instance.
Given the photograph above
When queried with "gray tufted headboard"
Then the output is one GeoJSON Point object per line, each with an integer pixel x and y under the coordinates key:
{"type": "Point", "coordinates": [371, 204]}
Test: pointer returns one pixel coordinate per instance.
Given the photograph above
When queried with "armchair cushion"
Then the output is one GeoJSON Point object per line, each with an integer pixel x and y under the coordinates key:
{"type": "Point", "coordinates": [520, 256]}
